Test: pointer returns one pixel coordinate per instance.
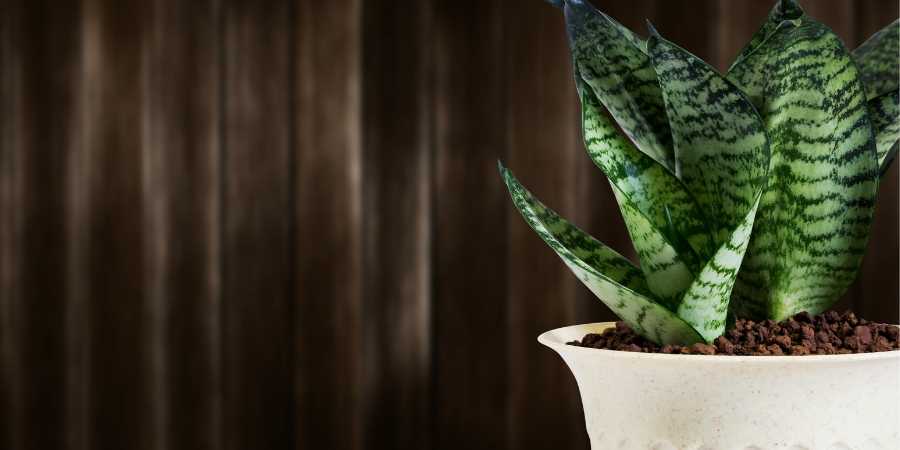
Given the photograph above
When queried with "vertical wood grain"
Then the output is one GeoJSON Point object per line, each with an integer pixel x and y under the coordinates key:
{"type": "Point", "coordinates": [122, 317]}
{"type": "Point", "coordinates": [78, 336]}
{"type": "Point", "coordinates": [397, 221]}
{"type": "Point", "coordinates": [180, 169]}
{"type": "Point", "coordinates": [329, 246]}
{"type": "Point", "coordinates": [736, 23]}
{"type": "Point", "coordinates": [11, 420]}
{"type": "Point", "coordinates": [839, 15]}
{"type": "Point", "coordinates": [691, 24]}
{"type": "Point", "coordinates": [40, 108]}
{"type": "Point", "coordinates": [544, 407]}
{"type": "Point", "coordinates": [877, 289]}
{"type": "Point", "coordinates": [257, 291]}
{"type": "Point", "coordinates": [470, 212]}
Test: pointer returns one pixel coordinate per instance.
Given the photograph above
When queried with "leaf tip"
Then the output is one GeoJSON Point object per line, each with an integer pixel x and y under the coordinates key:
{"type": "Point", "coordinates": [789, 9]}
{"type": "Point", "coordinates": [557, 3]}
{"type": "Point", "coordinates": [652, 30]}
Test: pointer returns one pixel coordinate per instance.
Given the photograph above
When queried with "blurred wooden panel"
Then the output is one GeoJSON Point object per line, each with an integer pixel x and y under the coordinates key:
{"type": "Point", "coordinates": [691, 24]}
{"type": "Point", "coordinates": [471, 372]}
{"type": "Point", "coordinates": [123, 320]}
{"type": "Point", "coordinates": [839, 15]}
{"type": "Point", "coordinates": [10, 390]}
{"type": "Point", "coordinates": [736, 23]}
{"type": "Point", "coordinates": [180, 171]}
{"type": "Point", "coordinates": [40, 98]}
{"type": "Point", "coordinates": [876, 290]}
{"type": "Point", "coordinates": [328, 248]}
{"type": "Point", "coordinates": [397, 217]}
{"type": "Point", "coordinates": [258, 301]}
{"type": "Point", "coordinates": [544, 407]}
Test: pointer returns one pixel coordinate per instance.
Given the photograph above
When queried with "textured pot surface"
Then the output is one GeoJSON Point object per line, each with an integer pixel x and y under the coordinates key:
{"type": "Point", "coordinates": [690, 402]}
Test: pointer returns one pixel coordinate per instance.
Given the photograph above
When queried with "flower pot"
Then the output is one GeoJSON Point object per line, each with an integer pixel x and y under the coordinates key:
{"type": "Point", "coordinates": [678, 402]}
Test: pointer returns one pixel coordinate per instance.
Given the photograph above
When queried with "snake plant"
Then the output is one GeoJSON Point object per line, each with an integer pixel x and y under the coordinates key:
{"type": "Point", "coordinates": [746, 194]}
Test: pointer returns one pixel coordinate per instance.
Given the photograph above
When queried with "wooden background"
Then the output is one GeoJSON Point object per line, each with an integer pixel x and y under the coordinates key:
{"type": "Point", "coordinates": [273, 225]}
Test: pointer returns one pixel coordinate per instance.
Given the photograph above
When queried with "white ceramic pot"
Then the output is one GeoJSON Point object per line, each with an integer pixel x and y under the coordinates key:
{"type": "Point", "coordinates": [679, 402]}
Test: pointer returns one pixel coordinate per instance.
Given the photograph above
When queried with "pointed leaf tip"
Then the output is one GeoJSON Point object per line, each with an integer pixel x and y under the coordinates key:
{"type": "Point", "coordinates": [652, 30]}
{"type": "Point", "coordinates": [580, 8]}
{"type": "Point", "coordinates": [557, 3]}
{"type": "Point", "coordinates": [790, 9]}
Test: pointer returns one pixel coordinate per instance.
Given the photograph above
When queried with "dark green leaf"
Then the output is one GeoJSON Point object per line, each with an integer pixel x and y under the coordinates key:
{"type": "Point", "coordinates": [878, 60]}
{"type": "Point", "coordinates": [705, 304]}
{"type": "Point", "coordinates": [611, 277]}
{"type": "Point", "coordinates": [747, 71]}
{"type": "Point", "coordinates": [884, 112]}
{"type": "Point", "coordinates": [612, 60]}
{"type": "Point", "coordinates": [721, 150]}
{"type": "Point", "coordinates": [813, 220]}
{"type": "Point", "coordinates": [667, 272]}
{"type": "Point", "coordinates": [646, 185]}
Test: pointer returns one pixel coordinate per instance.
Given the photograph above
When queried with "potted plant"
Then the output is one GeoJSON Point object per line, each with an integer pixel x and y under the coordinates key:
{"type": "Point", "coordinates": [748, 198]}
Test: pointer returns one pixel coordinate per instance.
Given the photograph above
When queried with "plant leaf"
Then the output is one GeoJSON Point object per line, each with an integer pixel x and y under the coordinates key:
{"type": "Point", "coordinates": [721, 149]}
{"type": "Point", "coordinates": [782, 11]}
{"type": "Point", "coordinates": [884, 111]}
{"type": "Point", "coordinates": [878, 60]}
{"type": "Point", "coordinates": [705, 303]}
{"type": "Point", "coordinates": [667, 272]}
{"type": "Point", "coordinates": [813, 220]}
{"type": "Point", "coordinates": [648, 186]}
{"type": "Point", "coordinates": [611, 277]}
{"type": "Point", "coordinates": [611, 59]}
{"type": "Point", "coordinates": [746, 72]}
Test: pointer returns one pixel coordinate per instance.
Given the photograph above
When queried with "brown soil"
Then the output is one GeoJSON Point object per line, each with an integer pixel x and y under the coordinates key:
{"type": "Point", "coordinates": [829, 333]}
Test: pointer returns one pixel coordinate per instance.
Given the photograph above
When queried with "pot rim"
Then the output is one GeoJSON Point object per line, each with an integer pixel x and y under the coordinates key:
{"type": "Point", "coordinates": [555, 340]}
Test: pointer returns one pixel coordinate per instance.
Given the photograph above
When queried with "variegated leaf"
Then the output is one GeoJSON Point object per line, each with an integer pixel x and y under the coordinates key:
{"type": "Point", "coordinates": [884, 112]}
{"type": "Point", "coordinates": [611, 277]}
{"type": "Point", "coordinates": [814, 217]}
{"type": "Point", "coordinates": [782, 11]}
{"type": "Point", "coordinates": [721, 149]}
{"type": "Point", "coordinates": [612, 60]}
{"type": "Point", "coordinates": [747, 71]}
{"type": "Point", "coordinates": [646, 185]}
{"type": "Point", "coordinates": [878, 60]}
{"type": "Point", "coordinates": [705, 303]}
{"type": "Point", "coordinates": [667, 272]}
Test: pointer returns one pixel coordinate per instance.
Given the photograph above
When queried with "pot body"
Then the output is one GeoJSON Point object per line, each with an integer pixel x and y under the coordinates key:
{"type": "Point", "coordinates": [690, 402]}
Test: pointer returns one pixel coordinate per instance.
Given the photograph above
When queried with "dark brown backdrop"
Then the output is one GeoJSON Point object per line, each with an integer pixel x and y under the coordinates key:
{"type": "Point", "coordinates": [231, 224]}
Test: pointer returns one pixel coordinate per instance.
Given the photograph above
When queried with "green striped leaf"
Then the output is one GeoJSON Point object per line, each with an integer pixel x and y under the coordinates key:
{"type": "Point", "coordinates": [667, 273]}
{"type": "Point", "coordinates": [782, 11]}
{"type": "Point", "coordinates": [645, 184]}
{"type": "Point", "coordinates": [705, 303]}
{"type": "Point", "coordinates": [814, 217]}
{"type": "Point", "coordinates": [884, 111]}
{"type": "Point", "coordinates": [878, 60]}
{"type": "Point", "coordinates": [612, 60]}
{"type": "Point", "coordinates": [611, 277]}
{"type": "Point", "coordinates": [747, 71]}
{"type": "Point", "coordinates": [721, 149]}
